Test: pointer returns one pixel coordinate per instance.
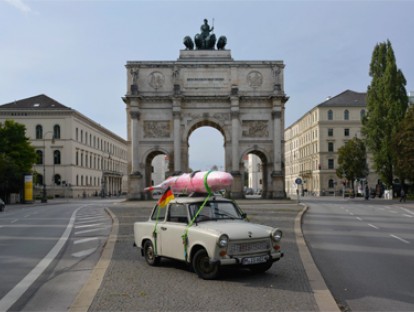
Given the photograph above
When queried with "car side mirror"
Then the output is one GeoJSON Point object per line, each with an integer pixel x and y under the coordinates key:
{"type": "Point", "coordinates": [244, 215]}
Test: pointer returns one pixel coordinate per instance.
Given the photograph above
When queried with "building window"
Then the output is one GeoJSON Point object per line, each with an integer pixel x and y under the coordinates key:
{"type": "Point", "coordinates": [39, 159]}
{"type": "Point", "coordinates": [346, 115]}
{"type": "Point", "coordinates": [77, 134]}
{"type": "Point", "coordinates": [39, 132]}
{"type": "Point", "coordinates": [331, 183]}
{"type": "Point", "coordinates": [330, 115]}
{"type": "Point", "coordinates": [330, 132]}
{"type": "Point", "coordinates": [331, 164]}
{"type": "Point", "coordinates": [362, 113]}
{"type": "Point", "coordinates": [77, 158]}
{"type": "Point", "coordinates": [57, 179]}
{"type": "Point", "coordinates": [39, 180]}
{"type": "Point", "coordinates": [56, 157]}
{"type": "Point", "coordinates": [346, 132]}
{"type": "Point", "coordinates": [330, 147]}
{"type": "Point", "coordinates": [56, 132]}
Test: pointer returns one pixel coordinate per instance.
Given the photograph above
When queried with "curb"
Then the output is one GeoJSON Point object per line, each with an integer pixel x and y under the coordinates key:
{"type": "Point", "coordinates": [86, 295]}
{"type": "Point", "coordinates": [321, 293]}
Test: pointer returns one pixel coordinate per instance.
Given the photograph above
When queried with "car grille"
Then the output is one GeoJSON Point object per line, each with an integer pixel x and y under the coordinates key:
{"type": "Point", "coordinates": [241, 248]}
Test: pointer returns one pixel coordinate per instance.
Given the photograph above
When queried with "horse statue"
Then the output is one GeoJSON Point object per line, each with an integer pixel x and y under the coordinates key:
{"type": "Point", "coordinates": [221, 43]}
{"type": "Point", "coordinates": [188, 42]}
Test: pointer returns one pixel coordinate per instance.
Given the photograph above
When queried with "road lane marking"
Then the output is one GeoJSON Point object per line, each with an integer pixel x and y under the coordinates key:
{"type": "Point", "coordinates": [85, 240]}
{"type": "Point", "coordinates": [87, 225]}
{"type": "Point", "coordinates": [91, 230]}
{"type": "Point", "coordinates": [14, 220]}
{"type": "Point", "coordinates": [400, 239]}
{"type": "Point", "coordinates": [13, 295]}
{"type": "Point", "coordinates": [359, 219]}
{"type": "Point", "coordinates": [84, 253]}
{"type": "Point", "coordinates": [375, 227]}
{"type": "Point", "coordinates": [406, 215]}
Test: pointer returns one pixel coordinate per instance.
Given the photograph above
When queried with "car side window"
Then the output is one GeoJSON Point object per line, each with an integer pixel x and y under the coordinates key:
{"type": "Point", "coordinates": [177, 213]}
{"type": "Point", "coordinates": [158, 213]}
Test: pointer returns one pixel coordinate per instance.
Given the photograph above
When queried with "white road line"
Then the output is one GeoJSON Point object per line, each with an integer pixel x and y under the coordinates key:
{"type": "Point", "coordinates": [375, 227]}
{"type": "Point", "coordinates": [14, 221]}
{"type": "Point", "coordinates": [90, 231]}
{"type": "Point", "coordinates": [85, 240]}
{"type": "Point", "coordinates": [84, 253]}
{"type": "Point", "coordinates": [407, 211]}
{"type": "Point", "coordinates": [87, 225]}
{"type": "Point", "coordinates": [359, 219]}
{"type": "Point", "coordinates": [351, 213]}
{"type": "Point", "coordinates": [406, 215]}
{"type": "Point", "coordinates": [28, 215]}
{"type": "Point", "coordinates": [13, 295]}
{"type": "Point", "coordinates": [399, 238]}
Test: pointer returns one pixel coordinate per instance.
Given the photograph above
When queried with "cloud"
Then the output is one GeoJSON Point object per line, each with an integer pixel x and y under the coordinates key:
{"type": "Point", "coordinates": [20, 5]}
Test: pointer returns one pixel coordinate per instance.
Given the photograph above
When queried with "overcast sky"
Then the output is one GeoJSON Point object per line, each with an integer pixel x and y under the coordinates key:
{"type": "Point", "coordinates": [75, 51]}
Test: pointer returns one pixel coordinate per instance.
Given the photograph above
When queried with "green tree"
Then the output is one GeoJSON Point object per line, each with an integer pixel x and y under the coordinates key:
{"type": "Point", "coordinates": [404, 147]}
{"type": "Point", "coordinates": [17, 157]}
{"type": "Point", "coordinates": [387, 102]}
{"type": "Point", "coordinates": [352, 161]}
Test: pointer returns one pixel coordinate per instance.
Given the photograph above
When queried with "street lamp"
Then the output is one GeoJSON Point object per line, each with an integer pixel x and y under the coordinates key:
{"type": "Point", "coordinates": [44, 195]}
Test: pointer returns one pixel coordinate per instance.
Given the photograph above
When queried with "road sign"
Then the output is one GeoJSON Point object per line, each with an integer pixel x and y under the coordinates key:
{"type": "Point", "coordinates": [298, 181]}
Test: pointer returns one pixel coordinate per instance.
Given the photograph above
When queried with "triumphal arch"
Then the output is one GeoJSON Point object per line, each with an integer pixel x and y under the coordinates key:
{"type": "Point", "coordinates": [167, 100]}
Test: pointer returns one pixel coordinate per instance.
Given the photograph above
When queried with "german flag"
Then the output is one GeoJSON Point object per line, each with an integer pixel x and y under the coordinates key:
{"type": "Point", "coordinates": [165, 198]}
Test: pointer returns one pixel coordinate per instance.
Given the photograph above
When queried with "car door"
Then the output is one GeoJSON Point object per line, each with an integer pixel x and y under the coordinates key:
{"type": "Point", "coordinates": [172, 230]}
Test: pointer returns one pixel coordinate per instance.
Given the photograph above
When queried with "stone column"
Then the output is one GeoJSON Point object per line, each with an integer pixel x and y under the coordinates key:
{"type": "Point", "coordinates": [237, 186]}
{"type": "Point", "coordinates": [177, 134]}
{"type": "Point", "coordinates": [235, 114]}
{"type": "Point", "coordinates": [135, 179]}
{"type": "Point", "coordinates": [277, 174]}
{"type": "Point", "coordinates": [135, 115]}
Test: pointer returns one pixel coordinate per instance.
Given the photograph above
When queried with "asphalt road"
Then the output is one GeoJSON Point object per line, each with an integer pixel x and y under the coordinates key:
{"type": "Point", "coordinates": [364, 250]}
{"type": "Point", "coordinates": [48, 251]}
{"type": "Point", "coordinates": [131, 285]}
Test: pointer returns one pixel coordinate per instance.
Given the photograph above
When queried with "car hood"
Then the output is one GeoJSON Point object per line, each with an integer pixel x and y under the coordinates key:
{"type": "Point", "coordinates": [235, 229]}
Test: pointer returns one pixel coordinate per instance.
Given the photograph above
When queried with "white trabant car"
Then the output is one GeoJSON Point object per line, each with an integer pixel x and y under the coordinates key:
{"type": "Point", "coordinates": [217, 235]}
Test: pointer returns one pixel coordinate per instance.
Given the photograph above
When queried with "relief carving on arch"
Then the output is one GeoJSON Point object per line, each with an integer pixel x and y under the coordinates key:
{"type": "Point", "coordinates": [156, 80]}
{"type": "Point", "coordinates": [255, 128]}
{"type": "Point", "coordinates": [255, 79]}
{"type": "Point", "coordinates": [157, 129]}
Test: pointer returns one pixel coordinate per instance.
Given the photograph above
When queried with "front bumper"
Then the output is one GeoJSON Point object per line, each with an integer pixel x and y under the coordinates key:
{"type": "Point", "coordinates": [238, 260]}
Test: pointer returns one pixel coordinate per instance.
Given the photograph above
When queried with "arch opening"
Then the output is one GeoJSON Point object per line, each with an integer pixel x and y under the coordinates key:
{"type": "Point", "coordinates": [255, 170]}
{"type": "Point", "coordinates": [206, 147]}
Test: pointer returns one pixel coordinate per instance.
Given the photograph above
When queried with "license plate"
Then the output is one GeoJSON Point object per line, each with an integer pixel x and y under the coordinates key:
{"type": "Point", "coordinates": [255, 260]}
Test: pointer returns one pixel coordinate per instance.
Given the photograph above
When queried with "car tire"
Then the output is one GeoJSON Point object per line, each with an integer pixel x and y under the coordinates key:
{"type": "Point", "coordinates": [203, 267]}
{"type": "Point", "coordinates": [261, 268]}
{"type": "Point", "coordinates": [149, 254]}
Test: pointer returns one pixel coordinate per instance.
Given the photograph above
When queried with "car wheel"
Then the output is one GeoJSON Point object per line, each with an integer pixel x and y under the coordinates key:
{"type": "Point", "coordinates": [203, 267]}
{"type": "Point", "coordinates": [260, 268]}
{"type": "Point", "coordinates": [149, 254]}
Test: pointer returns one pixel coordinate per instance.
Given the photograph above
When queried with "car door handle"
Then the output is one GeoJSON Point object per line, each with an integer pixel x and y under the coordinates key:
{"type": "Point", "coordinates": [163, 228]}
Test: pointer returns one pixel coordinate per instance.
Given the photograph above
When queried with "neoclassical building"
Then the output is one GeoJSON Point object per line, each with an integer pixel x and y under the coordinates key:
{"type": "Point", "coordinates": [76, 156]}
{"type": "Point", "coordinates": [312, 143]}
{"type": "Point", "coordinates": [244, 100]}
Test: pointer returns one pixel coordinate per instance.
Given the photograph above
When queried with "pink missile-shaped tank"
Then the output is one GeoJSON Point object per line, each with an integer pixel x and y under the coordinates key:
{"type": "Point", "coordinates": [195, 182]}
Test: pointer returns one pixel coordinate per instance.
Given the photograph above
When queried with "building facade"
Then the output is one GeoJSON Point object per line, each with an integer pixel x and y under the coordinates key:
{"type": "Point", "coordinates": [312, 143]}
{"type": "Point", "coordinates": [77, 157]}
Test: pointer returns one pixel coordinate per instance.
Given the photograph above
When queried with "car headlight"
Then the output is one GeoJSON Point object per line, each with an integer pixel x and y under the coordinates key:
{"type": "Point", "coordinates": [223, 240]}
{"type": "Point", "coordinates": [277, 235]}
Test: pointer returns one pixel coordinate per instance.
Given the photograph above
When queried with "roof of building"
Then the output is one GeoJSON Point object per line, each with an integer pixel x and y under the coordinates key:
{"type": "Point", "coordinates": [346, 98]}
{"type": "Point", "coordinates": [36, 102]}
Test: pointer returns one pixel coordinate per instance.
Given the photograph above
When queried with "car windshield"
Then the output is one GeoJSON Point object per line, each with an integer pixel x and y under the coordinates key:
{"type": "Point", "coordinates": [215, 211]}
